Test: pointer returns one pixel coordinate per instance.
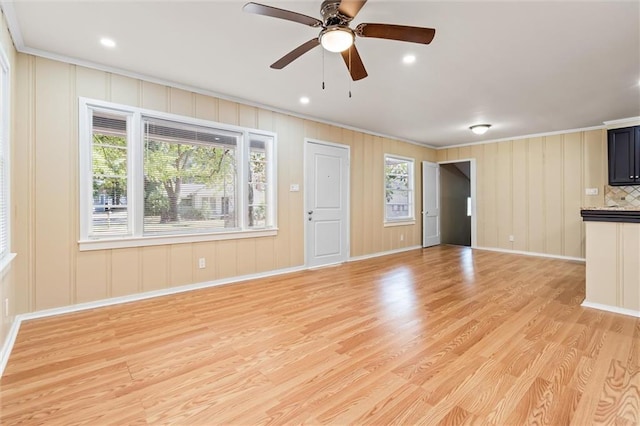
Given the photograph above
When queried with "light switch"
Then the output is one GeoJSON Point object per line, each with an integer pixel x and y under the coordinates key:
{"type": "Point", "coordinates": [294, 187]}
{"type": "Point", "coordinates": [591, 191]}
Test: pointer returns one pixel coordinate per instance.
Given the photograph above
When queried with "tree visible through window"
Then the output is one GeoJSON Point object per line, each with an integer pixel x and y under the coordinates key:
{"type": "Point", "coordinates": [398, 179]}
{"type": "Point", "coordinates": [156, 174]}
{"type": "Point", "coordinates": [109, 163]}
{"type": "Point", "coordinates": [258, 182]}
{"type": "Point", "coordinates": [184, 168]}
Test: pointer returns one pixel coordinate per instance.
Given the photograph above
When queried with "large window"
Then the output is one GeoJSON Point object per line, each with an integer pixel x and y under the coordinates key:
{"type": "Point", "coordinates": [155, 178]}
{"type": "Point", "coordinates": [398, 189]}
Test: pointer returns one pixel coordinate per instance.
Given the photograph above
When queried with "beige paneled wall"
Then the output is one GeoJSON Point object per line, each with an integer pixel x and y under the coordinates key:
{"type": "Point", "coordinates": [7, 278]}
{"type": "Point", "coordinates": [51, 269]}
{"type": "Point", "coordinates": [533, 189]}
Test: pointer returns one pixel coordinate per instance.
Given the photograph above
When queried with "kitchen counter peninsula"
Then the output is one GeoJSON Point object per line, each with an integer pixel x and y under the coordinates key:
{"type": "Point", "coordinates": [613, 259]}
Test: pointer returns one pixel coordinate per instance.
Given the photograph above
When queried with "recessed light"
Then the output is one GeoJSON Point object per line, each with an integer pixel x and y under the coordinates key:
{"type": "Point", "coordinates": [304, 100]}
{"type": "Point", "coordinates": [480, 129]}
{"type": "Point", "coordinates": [409, 59]}
{"type": "Point", "coordinates": [107, 42]}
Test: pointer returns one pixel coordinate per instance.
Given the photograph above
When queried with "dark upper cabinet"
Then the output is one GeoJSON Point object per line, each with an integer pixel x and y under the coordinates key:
{"type": "Point", "coordinates": [624, 156]}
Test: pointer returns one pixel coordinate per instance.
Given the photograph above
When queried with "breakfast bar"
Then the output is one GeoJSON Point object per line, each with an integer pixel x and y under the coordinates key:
{"type": "Point", "coordinates": [613, 259]}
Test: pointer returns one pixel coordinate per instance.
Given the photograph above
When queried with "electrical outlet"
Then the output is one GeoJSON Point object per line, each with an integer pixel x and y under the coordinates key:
{"type": "Point", "coordinates": [591, 191]}
{"type": "Point", "coordinates": [202, 263]}
{"type": "Point", "coordinates": [511, 238]}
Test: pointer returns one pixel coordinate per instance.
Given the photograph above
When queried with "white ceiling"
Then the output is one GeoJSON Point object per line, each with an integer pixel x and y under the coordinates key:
{"type": "Point", "coordinates": [524, 67]}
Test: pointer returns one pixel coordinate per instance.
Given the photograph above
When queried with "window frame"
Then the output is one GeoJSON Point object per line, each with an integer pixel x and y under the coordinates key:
{"type": "Point", "coordinates": [135, 236]}
{"type": "Point", "coordinates": [409, 220]}
{"type": "Point", "coordinates": [6, 256]}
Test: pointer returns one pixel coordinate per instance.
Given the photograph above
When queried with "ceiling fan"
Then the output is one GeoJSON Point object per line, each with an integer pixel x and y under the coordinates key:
{"type": "Point", "coordinates": [336, 35]}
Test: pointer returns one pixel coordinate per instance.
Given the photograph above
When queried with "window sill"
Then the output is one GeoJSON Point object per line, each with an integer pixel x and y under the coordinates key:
{"type": "Point", "coordinates": [407, 222]}
{"type": "Point", "coordinates": [6, 262]}
{"type": "Point", "coordinates": [128, 242]}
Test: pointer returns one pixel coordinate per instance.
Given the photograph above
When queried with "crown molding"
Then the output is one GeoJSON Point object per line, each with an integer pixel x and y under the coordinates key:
{"type": "Point", "coordinates": [533, 135]}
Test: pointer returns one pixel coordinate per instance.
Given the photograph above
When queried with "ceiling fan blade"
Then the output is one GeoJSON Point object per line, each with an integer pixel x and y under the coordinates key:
{"type": "Point", "coordinates": [295, 54]}
{"type": "Point", "coordinates": [396, 32]}
{"type": "Point", "coordinates": [261, 9]}
{"type": "Point", "coordinates": [354, 63]}
{"type": "Point", "coordinates": [351, 8]}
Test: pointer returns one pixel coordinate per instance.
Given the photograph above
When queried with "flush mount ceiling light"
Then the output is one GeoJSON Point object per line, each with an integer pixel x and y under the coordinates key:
{"type": "Point", "coordinates": [336, 38]}
{"type": "Point", "coordinates": [304, 100]}
{"type": "Point", "coordinates": [480, 129]}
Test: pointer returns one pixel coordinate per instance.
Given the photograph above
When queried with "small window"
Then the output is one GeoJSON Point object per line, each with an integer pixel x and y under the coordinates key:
{"type": "Point", "coordinates": [259, 188]}
{"type": "Point", "coordinates": [109, 154]}
{"type": "Point", "coordinates": [399, 194]}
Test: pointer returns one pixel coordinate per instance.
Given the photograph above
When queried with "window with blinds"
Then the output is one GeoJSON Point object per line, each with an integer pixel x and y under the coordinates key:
{"type": "Point", "coordinates": [190, 178]}
{"type": "Point", "coordinates": [149, 178]}
{"type": "Point", "coordinates": [5, 254]}
{"type": "Point", "coordinates": [258, 185]}
{"type": "Point", "coordinates": [398, 187]}
{"type": "Point", "coordinates": [110, 212]}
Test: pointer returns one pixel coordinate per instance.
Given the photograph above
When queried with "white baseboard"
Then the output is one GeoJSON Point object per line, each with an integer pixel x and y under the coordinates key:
{"type": "Point", "coordinates": [15, 327]}
{"type": "Point", "coordinates": [614, 309]}
{"type": "Point", "coordinates": [531, 253]}
{"type": "Point", "coordinates": [8, 344]}
{"type": "Point", "coordinates": [383, 253]}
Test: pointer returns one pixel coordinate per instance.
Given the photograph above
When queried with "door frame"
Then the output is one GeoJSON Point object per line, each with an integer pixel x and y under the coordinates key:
{"type": "Point", "coordinates": [305, 178]}
{"type": "Point", "coordinates": [474, 211]}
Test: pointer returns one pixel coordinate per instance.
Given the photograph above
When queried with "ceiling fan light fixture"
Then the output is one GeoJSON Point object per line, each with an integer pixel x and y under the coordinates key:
{"type": "Point", "coordinates": [336, 39]}
{"type": "Point", "coordinates": [480, 129]}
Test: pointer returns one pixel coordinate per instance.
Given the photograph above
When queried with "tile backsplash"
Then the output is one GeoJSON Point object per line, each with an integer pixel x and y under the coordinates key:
{"type": "Point", "coordinates": [622, 195]}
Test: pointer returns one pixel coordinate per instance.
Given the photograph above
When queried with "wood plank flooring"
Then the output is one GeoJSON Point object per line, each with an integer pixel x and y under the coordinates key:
{"type": "Point", "coordinates": [445, 335]}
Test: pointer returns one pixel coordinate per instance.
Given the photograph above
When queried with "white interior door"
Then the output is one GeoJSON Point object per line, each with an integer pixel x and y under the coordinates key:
{"type": "Point", "coordinates": [430, 204]}
{"type": "Point", "coordinates": [327, 204]}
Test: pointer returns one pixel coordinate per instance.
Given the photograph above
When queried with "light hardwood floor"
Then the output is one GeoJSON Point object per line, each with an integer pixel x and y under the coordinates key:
{"type": "Point", "coordinates": [444, 335]}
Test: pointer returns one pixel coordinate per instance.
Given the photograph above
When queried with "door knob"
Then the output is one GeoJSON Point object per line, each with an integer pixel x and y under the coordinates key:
{"type": "Point", "coordinates": [310, 212]}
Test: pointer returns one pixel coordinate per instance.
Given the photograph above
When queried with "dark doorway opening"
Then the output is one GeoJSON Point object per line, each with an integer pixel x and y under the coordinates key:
{"type": "Point", "coordinates": [455, 201]}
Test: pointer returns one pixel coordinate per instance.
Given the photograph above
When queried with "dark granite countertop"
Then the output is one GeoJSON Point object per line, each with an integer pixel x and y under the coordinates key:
{"type": "Point", "coordinates": [627, 214]}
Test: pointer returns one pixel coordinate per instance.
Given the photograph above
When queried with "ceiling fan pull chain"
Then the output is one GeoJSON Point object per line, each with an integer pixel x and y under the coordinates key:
{"type": "Point", "coordinates": [322, 69]}
{"type": "Point", "coordinates": [349, 73]}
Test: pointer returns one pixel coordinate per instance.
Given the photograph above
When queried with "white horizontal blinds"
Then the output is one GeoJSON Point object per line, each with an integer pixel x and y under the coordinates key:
{"type": "Point", "coordinates": [4, 162]}
{"type": "Point", "coordinates": [110, 207]}
{"type": "Point", "coordinates": [398, 174]}
{"type": "Point", "coordinates": [190, 178]}
{"type": "Point", "coordinates": [259, 188]}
